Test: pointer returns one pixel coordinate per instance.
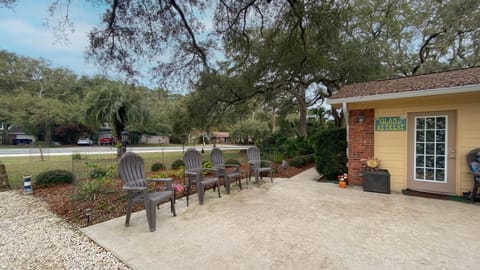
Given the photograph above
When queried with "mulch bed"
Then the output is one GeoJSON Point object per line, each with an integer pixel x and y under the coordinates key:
{"type": "Point", "coordinates": [106, 206]}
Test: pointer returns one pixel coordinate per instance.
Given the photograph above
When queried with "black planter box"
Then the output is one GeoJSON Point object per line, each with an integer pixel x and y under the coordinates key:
{"type": "Point", "coordinates": [376, 181]}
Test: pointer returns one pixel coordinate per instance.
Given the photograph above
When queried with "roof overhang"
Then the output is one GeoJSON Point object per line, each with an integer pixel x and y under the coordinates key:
{"type": "Point", "coordinates": [408, 94]}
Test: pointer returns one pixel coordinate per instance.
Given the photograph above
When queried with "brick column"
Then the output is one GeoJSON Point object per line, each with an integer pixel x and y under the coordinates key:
{"type": "Point", "coordinates": [360, 143]}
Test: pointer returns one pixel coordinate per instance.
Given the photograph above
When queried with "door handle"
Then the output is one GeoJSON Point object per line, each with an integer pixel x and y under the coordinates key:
{"type": "Point", "coordinates": [452, 154]}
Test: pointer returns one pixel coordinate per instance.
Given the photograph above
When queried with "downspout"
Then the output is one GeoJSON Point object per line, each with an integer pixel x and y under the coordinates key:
{"type": "Point", "coordinates": [346, 116]}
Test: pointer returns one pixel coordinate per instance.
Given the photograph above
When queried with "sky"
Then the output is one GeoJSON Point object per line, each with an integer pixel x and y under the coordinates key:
{"type": "Point", "coordinates": [23, 31]}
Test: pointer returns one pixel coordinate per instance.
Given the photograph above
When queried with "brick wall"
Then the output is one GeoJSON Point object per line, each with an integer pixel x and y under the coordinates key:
{"type": "Point", "coordinates": [360, 143]}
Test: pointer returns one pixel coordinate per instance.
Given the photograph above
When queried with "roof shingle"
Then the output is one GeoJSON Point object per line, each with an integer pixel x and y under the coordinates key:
{"type": "Point", "coordinates": [460, 77]}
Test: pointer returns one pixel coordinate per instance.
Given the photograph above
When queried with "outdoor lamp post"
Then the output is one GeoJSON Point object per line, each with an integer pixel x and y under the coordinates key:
{"type": "Point", "coordinates": [124, 141]}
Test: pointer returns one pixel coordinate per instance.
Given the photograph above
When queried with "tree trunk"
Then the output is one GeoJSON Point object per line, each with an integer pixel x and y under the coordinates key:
{"type": "Point", "coordinates": [48, 132]}
{"type": "Point", "coordinates": [338, 117]}
{"type": "Point", "coordinates": [302, 126]}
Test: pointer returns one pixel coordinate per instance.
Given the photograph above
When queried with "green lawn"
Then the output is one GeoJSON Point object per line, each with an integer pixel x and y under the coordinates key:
{"type": "Point", "coordinates": [17, 167]}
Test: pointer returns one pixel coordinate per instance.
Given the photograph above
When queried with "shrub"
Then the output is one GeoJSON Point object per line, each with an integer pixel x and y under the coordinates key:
{"type": "Point", "coordinates": [98, 171]}
{"type": "Point", "coordinates": [91, 188]}
{"type": "Point", "coordinates": [157, 166]}
{"type": "Point", "coordinates": [309, 158]}
{"type": "Point", "coordinates": [298, 162]}
{"type": "Point", "coordinates": [54, 177]}
{"type": "Point", "coordinates": [304, 147]}
{"type": "Point", "coordinates": [232, 161]}
{"type": "Point", "coordinates": [177, 164]}
{"type": "Point", "coordinates": [330, 152]}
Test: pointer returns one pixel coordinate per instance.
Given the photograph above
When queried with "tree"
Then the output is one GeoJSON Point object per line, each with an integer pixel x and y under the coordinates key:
{"type": "Point", "coordinates": [116, 105]}
{"type": "Point", "coordinates": [247, 130]}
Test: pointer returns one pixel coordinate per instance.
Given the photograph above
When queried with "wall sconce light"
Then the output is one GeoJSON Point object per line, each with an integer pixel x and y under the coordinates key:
{"type": "Point", "coordinates": [361, 118]}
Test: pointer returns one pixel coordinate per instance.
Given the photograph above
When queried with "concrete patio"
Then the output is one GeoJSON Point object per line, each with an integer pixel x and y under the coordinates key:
{"type": "Point", "coordinates": [299, 223]}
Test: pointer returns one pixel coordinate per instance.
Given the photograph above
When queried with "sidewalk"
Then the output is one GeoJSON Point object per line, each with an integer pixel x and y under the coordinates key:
{"type": "Point", "coordinates": [299, 223]}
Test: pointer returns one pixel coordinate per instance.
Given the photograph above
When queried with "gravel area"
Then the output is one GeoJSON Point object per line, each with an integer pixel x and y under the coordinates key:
{"type": "Point", "coordinates": [32, 237]}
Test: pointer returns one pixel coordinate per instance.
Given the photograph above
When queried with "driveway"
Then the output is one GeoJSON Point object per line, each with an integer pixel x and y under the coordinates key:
{"type": "Point", "coordinates": [299, 223]}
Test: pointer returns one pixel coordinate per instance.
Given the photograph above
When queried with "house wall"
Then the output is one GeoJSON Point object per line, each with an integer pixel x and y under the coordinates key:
{"type": "Point", "coordinates": [390, 147]}
{"type": "Point", "coordinates": [360, 143]}
{"type": "Point", "coordinates": [147, 139]}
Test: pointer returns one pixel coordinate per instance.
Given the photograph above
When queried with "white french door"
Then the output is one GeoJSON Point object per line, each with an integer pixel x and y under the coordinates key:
{"type": "Point", "coordinates": [432, 152]}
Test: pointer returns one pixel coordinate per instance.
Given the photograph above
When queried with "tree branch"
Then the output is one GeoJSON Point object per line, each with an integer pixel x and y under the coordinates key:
{"type": "Point", "coordinates": [197, 48]}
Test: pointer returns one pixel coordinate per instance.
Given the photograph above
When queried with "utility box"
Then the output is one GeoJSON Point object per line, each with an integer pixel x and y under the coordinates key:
{"type": "Point", "coordinates": [376, 181]}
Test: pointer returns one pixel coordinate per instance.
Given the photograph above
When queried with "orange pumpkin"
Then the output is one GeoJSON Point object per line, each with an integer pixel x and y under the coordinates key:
{"type": "Point", "coordinates": [342, 184]}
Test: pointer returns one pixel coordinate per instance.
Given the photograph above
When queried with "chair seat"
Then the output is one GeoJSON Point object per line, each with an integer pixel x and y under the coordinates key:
{"type": "Point", "coordinates": [160, 196]}
{"type": "Point", "coordinates": [263, 169]}
{"type": "Point", "coordinates": [234, 174]}
{"type": "Point", "coordinates": [209, 181]}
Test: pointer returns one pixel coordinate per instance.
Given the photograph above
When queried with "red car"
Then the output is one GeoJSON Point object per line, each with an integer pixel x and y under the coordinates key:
{"type": "Point", "coordinates": [107, 141]}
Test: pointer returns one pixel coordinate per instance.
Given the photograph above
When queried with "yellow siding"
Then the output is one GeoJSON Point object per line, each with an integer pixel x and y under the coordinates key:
{"type": "Point", "coordinates": [391, 147]}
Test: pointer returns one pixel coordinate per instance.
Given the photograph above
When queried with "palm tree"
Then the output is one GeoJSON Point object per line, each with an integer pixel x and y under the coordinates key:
{"type": "Point", "coordinates": [116, 105]}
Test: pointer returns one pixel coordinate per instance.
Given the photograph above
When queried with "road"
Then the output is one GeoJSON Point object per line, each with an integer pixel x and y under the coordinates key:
{"type": "Point", "coordinates": [66, 151]}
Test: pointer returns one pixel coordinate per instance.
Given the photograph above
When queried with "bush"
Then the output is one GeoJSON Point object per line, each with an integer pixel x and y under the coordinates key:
{"type": "Point", "coordinates": [177, 164]}
{"type": "Point", "coordinates": [309, 158]}
{"type": "Point", "coordinates": [91, 188]}
{"type": "Point", "coordinates": [298, 162]}
{"type": "Point", "coordinates": [98, 170]}
{"type": "Point", "coordinates": [330, 152]}
{"type": "Point", "coordinates": [54, 177]}
{"type": "Point", "coordinates": [232, 161]}
{"type": "Point", "coordinates": [157, 166]}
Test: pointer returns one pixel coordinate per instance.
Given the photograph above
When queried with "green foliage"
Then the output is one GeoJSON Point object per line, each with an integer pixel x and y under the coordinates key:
{"type": "Point", "coordinates": [76, 156]}
{"type": "Point", "coordinates": [232, 161]}
{"type": "Point", "coordinates": [298, 162]}
{"type": "Point", "coordinates": [54, 177]}
{"type": "Point", "coordinates": [100, 171]}
{"type": "Point", "coordinates": [177, 164]}
{"type": "Point", "coordinates": [157, 166]}
{"type": "Point", "coordinates": [250, 129]}
{"type": "Point", "coordinates": [277, 147]}
{"type": "Point", "coordinates": [91, 188]}
{"type": "Point", "coordinates": [301, 161]}
{"type": "Point", "coordinates": [330, 152]}
{"type": "Point", "coordinates": [169, 173]}
{"type": "Point", "coordinates": [163, 174]}
{"type": "Point", "coordinates": [207, 164]}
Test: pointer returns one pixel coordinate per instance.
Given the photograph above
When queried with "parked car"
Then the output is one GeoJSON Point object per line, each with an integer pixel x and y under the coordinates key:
{"type": "Point", "coordinates": [21, 141]}
{"type": "Point", "coordinates": [107, 141]}
{"type": "Point", "coordinates": [84, 141]}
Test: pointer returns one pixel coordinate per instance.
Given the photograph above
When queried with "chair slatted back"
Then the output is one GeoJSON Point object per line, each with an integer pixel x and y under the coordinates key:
{"type": "Point", "coordinates": [193, 160]}
{"type": "Point", "coordinates": [132, 170]}
{"type": "Point", "coordinates": [253, 154]}
{"type": "Point", "coordinates": [473, 156]}
{"type": "Point", "coordinates": [217, 157]}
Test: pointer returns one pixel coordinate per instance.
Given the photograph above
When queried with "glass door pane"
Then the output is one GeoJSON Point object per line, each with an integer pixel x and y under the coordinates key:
{"type": "Point", "coordinates": [430, 148]}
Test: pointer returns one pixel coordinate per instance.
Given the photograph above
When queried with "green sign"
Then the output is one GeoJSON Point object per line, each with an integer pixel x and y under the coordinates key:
{"type": "Point", "coordinates": [392, 123]}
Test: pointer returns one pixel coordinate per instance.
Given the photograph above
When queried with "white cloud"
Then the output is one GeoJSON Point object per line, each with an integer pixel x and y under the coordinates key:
{"type": "Point", "coordinates": [42, 39]}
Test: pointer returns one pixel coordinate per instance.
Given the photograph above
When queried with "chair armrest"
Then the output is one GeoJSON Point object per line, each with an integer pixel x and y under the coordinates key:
{"type": "Point", "coordinates": [167, 181]}
{"type": "Point", "coordinates": [192, 172]}
{"type": "Point", "coordinates": [267, 161]}
{"type": "Point", "coordinates": [128, 188]}
{"type": "Point", "coordinates": [214, 170]}
{"type": "Point", "coordinates": [232, 165]}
